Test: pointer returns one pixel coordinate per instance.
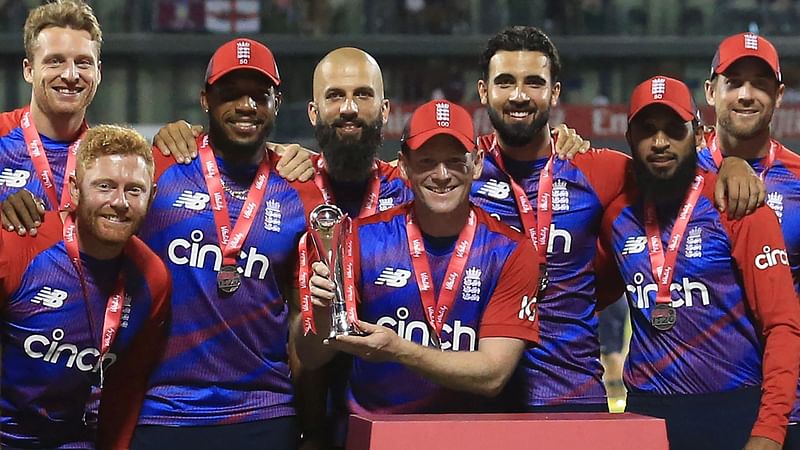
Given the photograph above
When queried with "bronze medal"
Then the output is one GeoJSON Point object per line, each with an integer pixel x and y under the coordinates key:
{"type": "Point", "coordinates": [663, 317]}
{"type": "Point", "coordinates": [228, 279]}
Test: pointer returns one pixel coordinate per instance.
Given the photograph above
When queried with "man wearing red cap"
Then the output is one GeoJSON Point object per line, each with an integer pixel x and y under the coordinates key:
{"type": "Point", "coordinates": [447, 294]}
{"type": "Point", "coordinates": [745, 87]}
{"type": "Point", "coordinates": [715, 348]}
{"type": "Point", "coordinates": [227, 227]}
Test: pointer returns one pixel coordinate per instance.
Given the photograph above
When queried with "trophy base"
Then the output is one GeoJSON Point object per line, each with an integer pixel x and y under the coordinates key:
{"type": "Point", "coordinates": [352, 332]}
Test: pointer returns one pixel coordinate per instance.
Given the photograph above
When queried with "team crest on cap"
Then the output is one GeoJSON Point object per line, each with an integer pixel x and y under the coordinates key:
{"type": "Point", "coordinates": [658, 87]}
{"type": "Point", "coordinates": [751, 41]}
{"type": "Point", "coordinates": [443, 115]}
{"type": "Point", "coordinates": [243, 52]}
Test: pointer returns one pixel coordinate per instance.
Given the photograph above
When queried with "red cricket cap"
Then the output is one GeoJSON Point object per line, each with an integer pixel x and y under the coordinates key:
{"type": "Point", "coordinates": [664, 90]}
{"type": "Point", "coordinates": [738, 46]}
{"type": "Point", "coordinates": [439, 117]}
{"type": "Point", "coordinates": [242, 53]}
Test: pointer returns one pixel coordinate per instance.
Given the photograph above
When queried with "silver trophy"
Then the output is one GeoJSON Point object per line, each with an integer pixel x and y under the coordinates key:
{"type": "Point", "coordinates": [328, 225]}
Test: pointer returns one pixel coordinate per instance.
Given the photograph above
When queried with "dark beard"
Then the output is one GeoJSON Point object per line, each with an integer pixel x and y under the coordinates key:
{"type": "Point", "coordinates": [349, 159]}
{"type": "Point", "coordinates": [666, 194]}
{"type": "Point", "coordinates": [233, 151]}
{"type": "Point", "coordinates": [521, 134]}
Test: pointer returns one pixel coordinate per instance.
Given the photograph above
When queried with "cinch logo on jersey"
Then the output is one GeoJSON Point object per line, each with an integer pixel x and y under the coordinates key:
{"type": "Point", "coordinates": [54, 351]}
{"type": "Point", "coordinates": [527, 308]}
{"type": "Point", "coordinates": [192, 253]}
{"type": "Point", "coordinates": [495, 189]}
{"type": "Point", "coordinates": [562, 235]}
{"type": "Point", "coordinates": [775, 202]}
{"type": "Point", "coordinates": [52, 298]}
{"type": "Point", "coordinates": [771, 257]}
{"type": "Point", "coordinates": [634, 245]}
{"type": "Point", "coordinates": [443, 114]}
{"type": "Point", "coordinates": [687, 288]}
{"type": "Point", "coordinates": [196, 201]}
{"type": "Point", "coordinates": [420, 332]}
{"type": "Point", "coordinates": [14, 178]}
{"type": "Point", "coordinates": [393, 277]}
{"type": "Point", "coordinates": [243, 52]}
{"type": "Point", "coordinates": [658, 87]}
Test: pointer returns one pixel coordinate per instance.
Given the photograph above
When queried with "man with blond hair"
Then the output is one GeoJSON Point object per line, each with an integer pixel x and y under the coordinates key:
{"type": "Point", "coordinates": [85, 305]}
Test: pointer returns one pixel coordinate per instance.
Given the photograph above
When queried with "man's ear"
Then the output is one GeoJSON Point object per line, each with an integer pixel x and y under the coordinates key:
{"type": "Point", "coordinates": [477, 165]}
{"type": "Point", "coordinates": [313, 113]}
{"type": "Point", "coordinates": [402, 164]}
{"type": "Point", "coordinates": [73, 189]}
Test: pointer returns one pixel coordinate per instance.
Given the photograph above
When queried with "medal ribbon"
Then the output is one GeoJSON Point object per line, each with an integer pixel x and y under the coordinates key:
{"type": "Point", "coordinates": [349, 286]}
{"type": "Point", "coordinates": [436, 310]}
{"type": "Point", "coordinates": [370, 203]}
{"type": "Point", "coordinates": [538, 225]}
{"type": "Point", "coordinates": [663, 267]}
{"type": "Point", "coordinates": [114, 304]}
{"type": "Point", "coordinates": [716, 153]}
{"type": "Point", "coordinates": [231, 242]}
{"type": "Point", "coordinates": [38, 157]}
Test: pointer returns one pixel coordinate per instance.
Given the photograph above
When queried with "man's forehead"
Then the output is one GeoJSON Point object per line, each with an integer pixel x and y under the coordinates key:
{"type": "Point", "coordinates": [519, 61]}
{"type": "Point", "coordinates": [348, 76]}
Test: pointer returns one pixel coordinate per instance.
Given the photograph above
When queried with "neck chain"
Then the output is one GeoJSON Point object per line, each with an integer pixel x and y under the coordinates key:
{"type": "Point", "coordinates": [238, 195]}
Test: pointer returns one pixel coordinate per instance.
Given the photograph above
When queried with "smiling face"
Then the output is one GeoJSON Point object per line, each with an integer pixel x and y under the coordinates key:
{"type": "Point", "coordinates": [519, 92]}
{"type": "Point", "coordinates": [744, 98]}
{"type": "Point", "coordinates": [242, 106]}
{"type": "Point", "coordinates": [64, 71]}
{"type": "Point", "coordinates": [113, 193]}
{"type": "Point", "coordinates": [441, 172]}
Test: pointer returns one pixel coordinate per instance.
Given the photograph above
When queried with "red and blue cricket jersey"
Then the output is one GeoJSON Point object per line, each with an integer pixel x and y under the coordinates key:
{"type": "Point", "coordinates": [496, 298]}
{"type": "Point", "coordinates": [16, 168]}
{"type": "Point", "coordinates": [782, 183]}
{"type": "Point", "coordinates": [564, 368]}
{"type": "Point", "coordinates": [738, 319]}
{"type": "Point", "coordinates": [51, 359]}
{"type": "Point", "coordinates": [226, 359]}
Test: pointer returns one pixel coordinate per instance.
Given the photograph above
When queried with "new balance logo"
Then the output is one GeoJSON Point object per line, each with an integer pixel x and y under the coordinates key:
{"type": "Point", "coordinates": [443, 114]}
{"type": "Point", "coordinates": [52, 298]}
{"type": "Point", "coordinates": [658, 87]}
{"type": "Point", "coordinates": [393, 277]}
{"type": "Point", "coordinates": [14, 178]}
{"type": "Point", "coordinates": [751, 41]}
{"type": "Point", "coordinates": [243, 51]}
{"type": "Point", "coordinates": [495, 189]}
{"type": "Point", "coordinates": [196, 201]}
{"type": "Point", "coordinates": [527, 308]}
{"type": "Point", "coordinates": [634, 245]}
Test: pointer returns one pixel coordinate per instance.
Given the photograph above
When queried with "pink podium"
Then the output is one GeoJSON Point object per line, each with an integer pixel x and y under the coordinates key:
{"type": "Point", "coordinates": [564, 431]}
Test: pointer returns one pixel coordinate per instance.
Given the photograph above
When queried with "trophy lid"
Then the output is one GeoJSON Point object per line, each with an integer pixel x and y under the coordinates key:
{"type": "Point", "coordinates": [325, 217]}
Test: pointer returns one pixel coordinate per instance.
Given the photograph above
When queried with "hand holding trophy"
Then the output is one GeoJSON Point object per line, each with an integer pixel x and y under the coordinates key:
{"type": "Point", "coordinates": [328, 231]}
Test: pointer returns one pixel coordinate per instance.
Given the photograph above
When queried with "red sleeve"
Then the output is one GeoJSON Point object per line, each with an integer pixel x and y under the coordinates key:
{"type": "Point", "coordinates": [609, 286]}
{"type": "Point", "coordinates": [760, 254]}
{"type": "Point", "coordinates": [127, 380]}
{"type": "Point", "coordinates": [608, 172]}
{"type": "Point", "coordinates": [10, 120]}
{"type": "Point", "coordinates": [16, 252]}
{"type": "Point", "coordinates": [162, 163]}
{"type": "Point", "coordinates": [511, 311]}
